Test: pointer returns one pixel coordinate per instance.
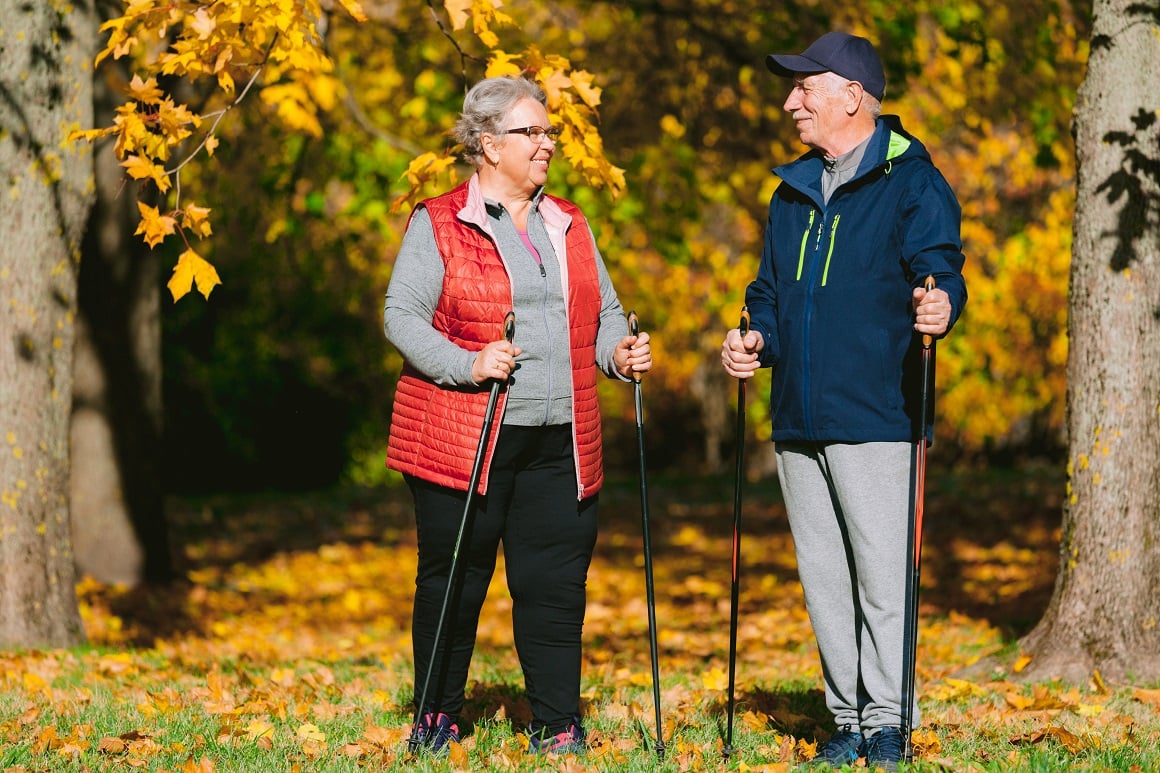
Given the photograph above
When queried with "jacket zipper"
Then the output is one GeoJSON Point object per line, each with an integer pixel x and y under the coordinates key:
{"type": "Point", "coordinates": [830, 249]}
{"type": "Point", "coordinates": [802, 250]}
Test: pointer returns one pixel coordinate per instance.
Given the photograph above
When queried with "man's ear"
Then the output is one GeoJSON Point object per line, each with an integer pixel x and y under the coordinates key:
{"type": "Point", "coordinates": [854, 94]}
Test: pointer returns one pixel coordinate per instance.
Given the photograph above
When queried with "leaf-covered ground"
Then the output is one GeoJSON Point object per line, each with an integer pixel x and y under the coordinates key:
{"type": "Point", "coordinates": [288, 646]}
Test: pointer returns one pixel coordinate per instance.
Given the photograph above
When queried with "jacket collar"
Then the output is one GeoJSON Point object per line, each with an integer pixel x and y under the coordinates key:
{"type": "Point", "coordinates": [888, 144]}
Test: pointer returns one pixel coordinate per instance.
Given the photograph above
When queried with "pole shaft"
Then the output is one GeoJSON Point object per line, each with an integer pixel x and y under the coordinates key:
{"type": "Point", "coordinates": [509, 330]}
{"type": "Point", "coordinates": [650, 588]}
{"type": "Point", "coordinates": [735, 588]}
{"type": "Point", "coordinates": [914, 543]}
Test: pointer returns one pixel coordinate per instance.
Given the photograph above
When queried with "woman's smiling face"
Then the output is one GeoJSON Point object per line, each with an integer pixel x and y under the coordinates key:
{"type": "Point", "coordinates": [524, 162]}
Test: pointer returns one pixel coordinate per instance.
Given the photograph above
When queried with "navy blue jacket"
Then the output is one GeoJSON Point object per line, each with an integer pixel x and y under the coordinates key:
{"type": "Point", "coordinates": [832, 296]}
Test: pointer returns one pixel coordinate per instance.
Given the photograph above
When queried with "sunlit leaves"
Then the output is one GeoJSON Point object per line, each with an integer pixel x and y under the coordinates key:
{"type": "Point", "coordinates": [154, 225]}
{"type": "Point", "coordinates": [275, 48]}
{"type": "Point", "coordinates": [572, 101]}
{"type": "Point", "coordinates": [272, 43]}
{"type": "Point", "coordinates": [192, 269]}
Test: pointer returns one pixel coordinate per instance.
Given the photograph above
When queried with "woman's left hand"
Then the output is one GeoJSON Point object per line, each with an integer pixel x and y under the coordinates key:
{"type": "Point", "coordinates": [633, 355]}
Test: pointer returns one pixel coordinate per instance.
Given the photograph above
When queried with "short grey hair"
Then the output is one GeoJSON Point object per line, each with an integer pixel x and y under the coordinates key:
{"type": "Point", "coordinates": [870, 103]}
{"type": "Point", "coordinates": [486, 107]}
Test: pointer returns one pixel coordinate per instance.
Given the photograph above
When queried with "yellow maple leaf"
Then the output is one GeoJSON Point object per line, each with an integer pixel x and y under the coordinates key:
{"type": "Point", "coordinates": [90, 134]}
{"type": "Point", "coordinates": [154, 225]}
{"type": "Point", "coordinates": [1021, 663]}
{"type": "Point", "coordinates": [309, 732]}
{"type": "Point", "coordinates": [926, 741]}
{"type": "Point", "coordinates": [1150, 697]}
{"type": "Point", "coordinates": [293, 106]}
{"type": "Point", "coordinates": [34, 683]}
{"type": "Point", "coordinates": [202, 23]}
{"type": "Point", "coordinates": [714, 679]}
{"type": "Point", "coordinates": [145, 91]}
{"type": "Point", "coordinates": [259, 729]}
{"type": "Point", "coordinates": [355, 9]}
{"type": "Point", "coordinates": [458, 11]}
{"type": "Point", "coordinates": [141, 168]}
{"type": "Point", "coordinates": [203, 765]}
{"type": "Point", "coordinates": [582, 85]}
{"type": "Point", "coordinates": [1019, 702]}
{"type": "Point", "coordinates": [501, 64]}
{"type": "Point", "coordinates": [192, 268]}
{"type": "Point", "coordinates": [457, 756]}
{"type": "Point", "coordinates": [1089, 709]}
{"type": "Point", "coordinates": [555, 82]}
{"type": "Point", "coordinates": [173, 120]}
{"type": "Point", "coordinates": [384, 736]}
{"type": "Point", "coordinates": [196, 219]}
{"type": "Point", "coordinates": [755, 721]}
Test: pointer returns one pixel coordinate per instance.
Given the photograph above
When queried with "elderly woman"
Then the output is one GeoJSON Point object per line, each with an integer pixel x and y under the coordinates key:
{"type": "Point", "coordinates": [493, 244]}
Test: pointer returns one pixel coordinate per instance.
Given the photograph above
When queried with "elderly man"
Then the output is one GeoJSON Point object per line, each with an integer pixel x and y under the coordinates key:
{"type": "Point", "coordinates": [855, 227]}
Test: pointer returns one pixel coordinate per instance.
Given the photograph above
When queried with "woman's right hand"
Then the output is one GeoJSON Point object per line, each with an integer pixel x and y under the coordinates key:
{"type": "Point", "coordinates": [497, 361]}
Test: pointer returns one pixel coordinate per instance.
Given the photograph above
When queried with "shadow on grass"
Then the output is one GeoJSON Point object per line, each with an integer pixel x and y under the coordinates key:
{"type": "Point", "coordinates": [796, 710]}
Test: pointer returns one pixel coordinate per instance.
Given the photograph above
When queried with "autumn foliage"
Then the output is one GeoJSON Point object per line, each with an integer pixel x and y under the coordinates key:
{"type": "Point", "coordinates": [671, 164]}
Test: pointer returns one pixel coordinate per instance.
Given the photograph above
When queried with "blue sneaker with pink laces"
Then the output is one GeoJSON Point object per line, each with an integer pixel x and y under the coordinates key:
{"type": "Point", "coordinates": [435, 731]}
{"type": "Point", "coordinates": [570, 741]}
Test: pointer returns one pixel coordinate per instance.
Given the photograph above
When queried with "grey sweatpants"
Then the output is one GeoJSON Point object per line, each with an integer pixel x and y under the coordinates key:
{"type": "Point", "coordinates": [848, 507]}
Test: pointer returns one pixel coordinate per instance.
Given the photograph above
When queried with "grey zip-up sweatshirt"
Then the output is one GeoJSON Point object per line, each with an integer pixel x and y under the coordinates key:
{"type": "Point", "coordinates": [540, 390]}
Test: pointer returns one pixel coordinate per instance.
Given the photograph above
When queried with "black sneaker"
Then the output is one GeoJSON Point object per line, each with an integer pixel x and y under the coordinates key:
{"type": "Point", "coordinates": [844, 748]}
{"type": "Point", "coordinates": [884, 749]}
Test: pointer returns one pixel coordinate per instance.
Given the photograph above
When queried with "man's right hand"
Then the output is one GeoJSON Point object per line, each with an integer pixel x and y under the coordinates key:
{"type": "Point", "coordinates": [739, 354]}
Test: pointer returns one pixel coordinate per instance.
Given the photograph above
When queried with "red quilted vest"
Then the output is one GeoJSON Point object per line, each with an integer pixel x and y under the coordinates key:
{"type": "Point", "coordinates": [435, 430]}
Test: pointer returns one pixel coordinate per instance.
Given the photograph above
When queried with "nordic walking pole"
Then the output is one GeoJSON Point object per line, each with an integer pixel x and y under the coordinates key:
{"type": "Point", "coordinates": [914, 544]}
{"type": "Point", "coordinates": [743, 329]}
{"type": "Point", "coordinates": [509, 332]}
{"type": "Point", "coordinates": [634, 329]}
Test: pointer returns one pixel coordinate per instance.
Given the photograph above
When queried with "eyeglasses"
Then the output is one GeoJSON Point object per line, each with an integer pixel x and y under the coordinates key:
{"type": "Point", "coordinates": [537, 133]}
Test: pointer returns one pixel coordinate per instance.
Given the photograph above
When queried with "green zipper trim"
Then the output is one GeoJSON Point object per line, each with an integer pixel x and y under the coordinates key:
{"type": "Point", "coordinates": [805, 238]}
{"type": "Point", "coordinates": [830, 250]}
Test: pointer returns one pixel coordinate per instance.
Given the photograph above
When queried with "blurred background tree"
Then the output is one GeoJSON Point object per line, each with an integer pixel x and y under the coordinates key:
{"type": "Point", "coordinates": [282, 379]}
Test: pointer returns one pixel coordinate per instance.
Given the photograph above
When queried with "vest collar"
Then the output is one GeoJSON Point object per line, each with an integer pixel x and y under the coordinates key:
{"type": "Point", "coordinates": [474, 210]}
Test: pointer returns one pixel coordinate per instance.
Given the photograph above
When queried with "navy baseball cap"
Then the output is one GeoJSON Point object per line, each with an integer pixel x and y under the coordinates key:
{"type": "Point", "coordinates": [850, 56]}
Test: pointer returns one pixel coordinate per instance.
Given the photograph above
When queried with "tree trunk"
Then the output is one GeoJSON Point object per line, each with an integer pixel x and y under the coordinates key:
{"type": "Point", "coordinates": [1104, 614]}
{"type": "Point", "coordinates": [45, 91]}
{"type": "Point", "coordinates": [120, 533]}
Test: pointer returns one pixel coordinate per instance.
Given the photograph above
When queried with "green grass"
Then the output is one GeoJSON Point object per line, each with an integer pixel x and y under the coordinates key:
{"type": "Point", "coordinates": [293, 626]}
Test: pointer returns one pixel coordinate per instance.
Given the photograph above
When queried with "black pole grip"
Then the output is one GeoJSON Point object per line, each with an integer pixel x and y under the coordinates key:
{"type": "Point", "coordinates": [634, 329]}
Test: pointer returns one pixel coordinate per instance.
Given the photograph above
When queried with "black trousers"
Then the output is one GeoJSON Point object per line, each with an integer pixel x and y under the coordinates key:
{"type": "Point", "coordinates": [548, 537]}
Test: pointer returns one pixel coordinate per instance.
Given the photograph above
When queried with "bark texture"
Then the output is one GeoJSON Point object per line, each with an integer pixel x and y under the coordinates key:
{"type": "Point", "coordinates": [46, 52]}
{"type": "Point", "coordinates": [1105, 611]}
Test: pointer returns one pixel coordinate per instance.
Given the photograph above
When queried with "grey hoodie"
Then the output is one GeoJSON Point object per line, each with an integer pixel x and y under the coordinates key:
{"type": "Point", "coordinates": [540, 390]}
